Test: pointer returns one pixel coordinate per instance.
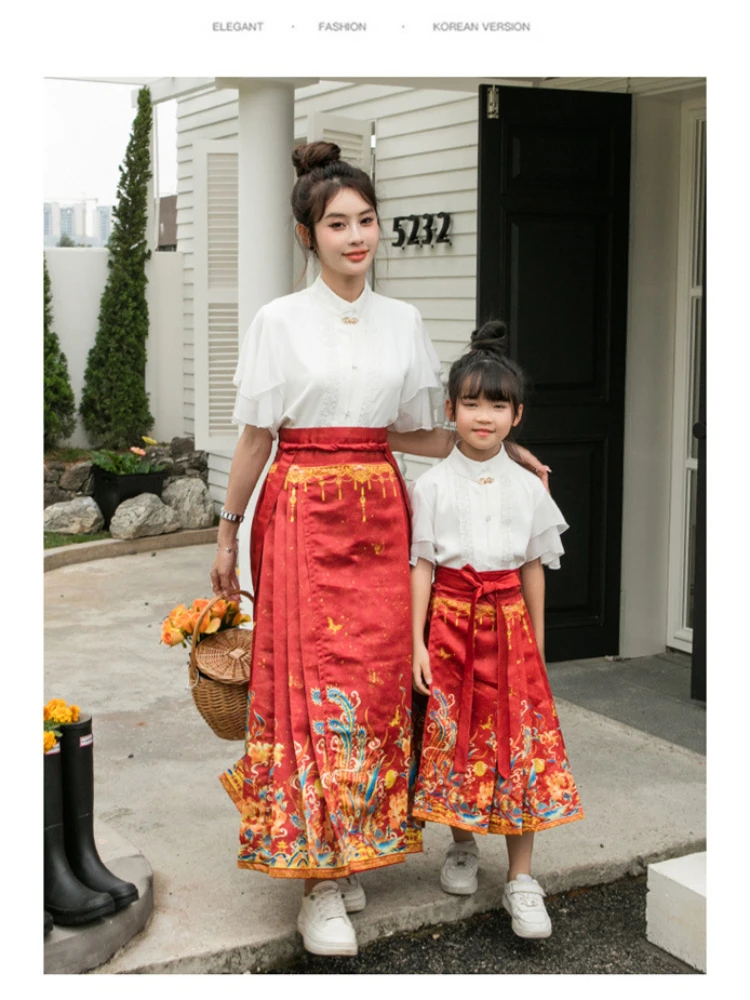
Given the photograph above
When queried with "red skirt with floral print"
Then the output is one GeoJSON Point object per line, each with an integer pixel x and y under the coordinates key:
{"type": "Point", "coordinates": [493, 758]}
{"type": "Point", "coordinates": [322, 787]}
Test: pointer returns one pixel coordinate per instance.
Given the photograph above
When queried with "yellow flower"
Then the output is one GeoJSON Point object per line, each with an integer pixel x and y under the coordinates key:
{"type": "Point", "coordinates": [75, 713]}
{"type": "Point", "coordinates": [538, 765]}
{"type": "Point", "coordinates": [49, 741]}
{"type": "Point", "coordinates": [148, 440]}
{"type": "Point", "coordinates": [390, 779]}
{"type": "Point", "coordinates": [480, 768]}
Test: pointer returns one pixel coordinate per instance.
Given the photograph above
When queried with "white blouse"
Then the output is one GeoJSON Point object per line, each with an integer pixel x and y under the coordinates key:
{"type": "Point", "coordinates": [492, 515]}
{"type": "Point", "coordinates": [312, 359]}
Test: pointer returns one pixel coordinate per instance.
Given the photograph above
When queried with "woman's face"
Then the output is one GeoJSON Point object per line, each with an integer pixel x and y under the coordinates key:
{"type": "Point", "coordinates": [347, 236]}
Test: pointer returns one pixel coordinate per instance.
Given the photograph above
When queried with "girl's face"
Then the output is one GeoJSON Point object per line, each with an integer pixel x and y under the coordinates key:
{"type": "Point", "coordinates": [347, 236]}
{"type": "Point", "coordinates": [482, 424]}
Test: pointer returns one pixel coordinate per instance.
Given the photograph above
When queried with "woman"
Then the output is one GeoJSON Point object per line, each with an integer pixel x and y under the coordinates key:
{"type": "Point", "coordinates": [341, 375]}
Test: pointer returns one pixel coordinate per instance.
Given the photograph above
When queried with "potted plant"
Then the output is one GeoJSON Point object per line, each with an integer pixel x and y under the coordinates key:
{"type": "Point", "coordinates": [119, 477]}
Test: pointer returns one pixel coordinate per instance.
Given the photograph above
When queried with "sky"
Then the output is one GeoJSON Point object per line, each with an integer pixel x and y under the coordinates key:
{"type": "Point", "coordinates": [86, 131]}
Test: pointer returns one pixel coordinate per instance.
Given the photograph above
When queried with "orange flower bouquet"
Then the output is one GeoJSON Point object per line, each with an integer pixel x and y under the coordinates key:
{"type": "Point", "coordinates": [219, 664]}
{"type": "Point", "coordinates": [179, 625]}
{"type": "Point", "coordinates": [57, 713]}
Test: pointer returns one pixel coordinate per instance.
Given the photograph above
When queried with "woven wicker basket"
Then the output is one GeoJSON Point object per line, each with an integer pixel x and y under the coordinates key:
{"type": "Point", "coordinates": [219, 674]}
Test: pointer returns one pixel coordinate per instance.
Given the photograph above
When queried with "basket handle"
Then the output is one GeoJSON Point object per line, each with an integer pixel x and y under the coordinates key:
{"type": "Point", "coordinates": [192, 668]}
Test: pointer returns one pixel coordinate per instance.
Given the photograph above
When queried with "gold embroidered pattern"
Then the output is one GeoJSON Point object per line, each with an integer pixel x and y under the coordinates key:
{"type": "Point", "coordinates": [461, 609]}
{"type": "Point", "coordinates": [349, 319]}
{"type": "Point", "coordinates": [332, 626]}
{"type": "Point", "coordinates": [486, 480]}
{"type": "Point", "coordinates": [336, 476]}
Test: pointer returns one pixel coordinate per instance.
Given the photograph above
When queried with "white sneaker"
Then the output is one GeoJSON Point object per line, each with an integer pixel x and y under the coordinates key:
{"type": "Point", "coordinates": [353, 893]}
{"type": "Point", "coordinates": [323, 923]}
{"type": "Point", "coordinates": [459, 872]}
{"type": "Point", "coordinates": [523, 898]}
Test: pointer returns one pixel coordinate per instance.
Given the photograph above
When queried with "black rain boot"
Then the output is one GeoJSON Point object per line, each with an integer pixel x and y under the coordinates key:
{"type": "Point", "coordinates": [78, 802]}
{"type": "Point", "coordinates": [66, 899]}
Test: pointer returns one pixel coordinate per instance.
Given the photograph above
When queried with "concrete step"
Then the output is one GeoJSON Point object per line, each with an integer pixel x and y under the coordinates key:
{"type": "Point", "coordinates": [79, 949]}
{"type": "Point", "coordinates": [676, 908]}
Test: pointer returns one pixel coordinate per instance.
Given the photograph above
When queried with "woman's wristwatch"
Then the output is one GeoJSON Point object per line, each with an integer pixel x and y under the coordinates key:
{"type": "Point", "coordinates": [229, 516]}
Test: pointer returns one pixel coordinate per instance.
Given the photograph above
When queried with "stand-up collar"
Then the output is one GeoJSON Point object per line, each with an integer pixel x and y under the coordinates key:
{"type": "Point", "coordinates": [476, 471]}
{"type": "Point", "coordinates": [341, 307]}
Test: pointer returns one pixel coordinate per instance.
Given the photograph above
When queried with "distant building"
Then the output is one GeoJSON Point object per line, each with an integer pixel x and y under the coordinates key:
{"type": "Point", "coordinates": [51, 223]}
{"type": "Point", "coordinates": [102, 225]}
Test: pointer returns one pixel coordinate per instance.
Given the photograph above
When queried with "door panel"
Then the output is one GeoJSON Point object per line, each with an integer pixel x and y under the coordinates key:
{"type": "Point", "coordinates": [554, 177]}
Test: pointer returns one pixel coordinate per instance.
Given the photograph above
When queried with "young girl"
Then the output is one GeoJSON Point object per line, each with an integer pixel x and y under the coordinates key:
{"type": "Point", "coordinates": [493, 758]}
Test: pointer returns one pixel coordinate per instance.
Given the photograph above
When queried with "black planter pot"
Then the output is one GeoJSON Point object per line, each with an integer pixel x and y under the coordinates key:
{"type": "Point", "coordinates": [110, 489]}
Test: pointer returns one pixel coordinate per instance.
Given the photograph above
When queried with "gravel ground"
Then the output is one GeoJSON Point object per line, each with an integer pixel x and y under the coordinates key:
{"type": "Point", "coordinates": [596, 931]}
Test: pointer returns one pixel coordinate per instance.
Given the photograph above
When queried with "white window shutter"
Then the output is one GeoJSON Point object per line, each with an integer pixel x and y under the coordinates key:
{"type": "Point", "coordinates": [216, 309]}
{"type": "Point", "coordinates": [353, 135]}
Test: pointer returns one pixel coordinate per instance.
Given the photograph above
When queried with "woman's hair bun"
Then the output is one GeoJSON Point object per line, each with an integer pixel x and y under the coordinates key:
{"type": "Point", "coordinates": [314, 155]}
{"type": "Point", "coordinates": [491, 336]}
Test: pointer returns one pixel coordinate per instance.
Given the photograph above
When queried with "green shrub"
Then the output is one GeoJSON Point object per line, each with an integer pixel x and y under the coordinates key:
{"type": "Point", "coordinates": [59, 402]}
{"type": "Point", "coordinates": [114, 403]}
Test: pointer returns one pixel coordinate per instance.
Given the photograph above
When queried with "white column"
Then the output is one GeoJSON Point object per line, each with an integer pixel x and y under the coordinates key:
{"type": "Point", "coordinates": [266, 176]}
{"type": "Point", "coordinates": [266, 135]}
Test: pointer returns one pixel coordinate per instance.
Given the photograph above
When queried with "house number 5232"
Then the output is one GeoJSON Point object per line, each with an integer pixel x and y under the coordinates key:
{"type": "Point", "coordinates": [422, 230]}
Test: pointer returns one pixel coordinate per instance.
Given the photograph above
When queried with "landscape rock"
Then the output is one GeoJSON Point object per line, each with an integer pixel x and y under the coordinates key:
{"type": "Point", "coordinates": [77, 478]}
{"type": "Point", "coordinates": [141, 516]}
{"type": "Point", "coordinates": [190, 500]}
{"type": "Point", "coordinates": [80, 516]}
{"type": "Point", "coordinates": [180, 446]}
{"type": "Point", "coordinates": [160, 455]}
{"type": "Point", "coordinates": [54, 495]}
{"type": "Point", "coordinates": [51, 475]}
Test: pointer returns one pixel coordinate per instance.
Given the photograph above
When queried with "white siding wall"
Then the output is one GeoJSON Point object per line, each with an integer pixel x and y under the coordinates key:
{"type": "Point", "coordinates": [425, 161]}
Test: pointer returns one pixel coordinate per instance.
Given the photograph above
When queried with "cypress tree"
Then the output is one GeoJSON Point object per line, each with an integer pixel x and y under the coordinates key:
{"type": "Point", "coordinates": [114, 403]}
{"type": "Point", "coordinates": [59, 402]}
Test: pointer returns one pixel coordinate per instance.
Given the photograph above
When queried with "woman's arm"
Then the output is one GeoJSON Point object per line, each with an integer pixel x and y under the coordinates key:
{"type": "Point", "coordinates": [421, 584]}
{"type": "Point", "coordinates": [248, 461]}
{"type": "Point", "coordinates": [532, 588]}
{"type": "Point", "coordinates": [524, 457]}
{"type": "Point", "coordinates": [437, 443]}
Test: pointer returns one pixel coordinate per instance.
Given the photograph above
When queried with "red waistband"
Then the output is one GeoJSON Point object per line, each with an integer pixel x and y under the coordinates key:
{"type": "Point", "coordinates": [334, 438]}
{"type": "Point", "coordinates": [469, 582]}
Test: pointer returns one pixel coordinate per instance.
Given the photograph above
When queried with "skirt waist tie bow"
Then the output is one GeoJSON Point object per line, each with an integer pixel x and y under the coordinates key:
{"type": "Point", "coordinates": [500, 586]}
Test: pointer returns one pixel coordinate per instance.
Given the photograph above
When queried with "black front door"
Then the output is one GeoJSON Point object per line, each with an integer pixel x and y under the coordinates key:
{"type": "Point", "coordinates": [554, 177]}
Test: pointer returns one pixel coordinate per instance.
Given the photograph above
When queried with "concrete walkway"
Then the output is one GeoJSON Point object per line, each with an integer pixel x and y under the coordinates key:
{"type": "Point", "coordinates": [156, 766]}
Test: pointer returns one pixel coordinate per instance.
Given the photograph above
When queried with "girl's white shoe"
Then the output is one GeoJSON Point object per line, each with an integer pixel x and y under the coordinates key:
{"type": "Point", "coordinates": [353, 893]}
{"type": "Point", "coordinates": [523, 898]}
{"type": "Point", "coordinates": [459, 872]}
{"type": "Point", "coordinates": [323, 923]}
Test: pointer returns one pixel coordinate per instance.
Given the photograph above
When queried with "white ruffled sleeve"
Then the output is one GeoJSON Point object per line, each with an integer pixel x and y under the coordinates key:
{"type": "Point", "coordinates": [547, 525]}
{"type": "Point", "coordinates": [422, 500]}
{"type": "Point", "coordinates": [259, 379]}
{"type": "Point", "coordinates": [422, 397]}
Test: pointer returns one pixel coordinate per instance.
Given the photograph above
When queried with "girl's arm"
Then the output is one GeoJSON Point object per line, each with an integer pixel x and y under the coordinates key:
{"type": "Point", "coordinates": [248, 462]}
{"type": "Point", "coordinates": [421, 584]}
{"type": "Point", "coordinates": [532, 588]}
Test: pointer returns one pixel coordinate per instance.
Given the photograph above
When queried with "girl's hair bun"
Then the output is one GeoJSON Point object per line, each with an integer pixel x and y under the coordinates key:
{"type": "Point", "coordinates": [314, 156]}
{"type": "Point", "coordinates": [491, 336]}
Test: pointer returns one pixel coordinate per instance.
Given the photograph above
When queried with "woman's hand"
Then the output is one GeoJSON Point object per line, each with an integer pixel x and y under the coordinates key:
{"type": "Point", "coordinates": [224, 577]}
{"type": "Point", "coordinates": [524, 457]}
{"type": "Point", "coordinates": [422, 674]}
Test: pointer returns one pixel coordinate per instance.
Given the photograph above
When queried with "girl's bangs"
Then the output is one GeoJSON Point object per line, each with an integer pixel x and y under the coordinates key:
{"type": "Point", "coordinates": [491, 381]}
